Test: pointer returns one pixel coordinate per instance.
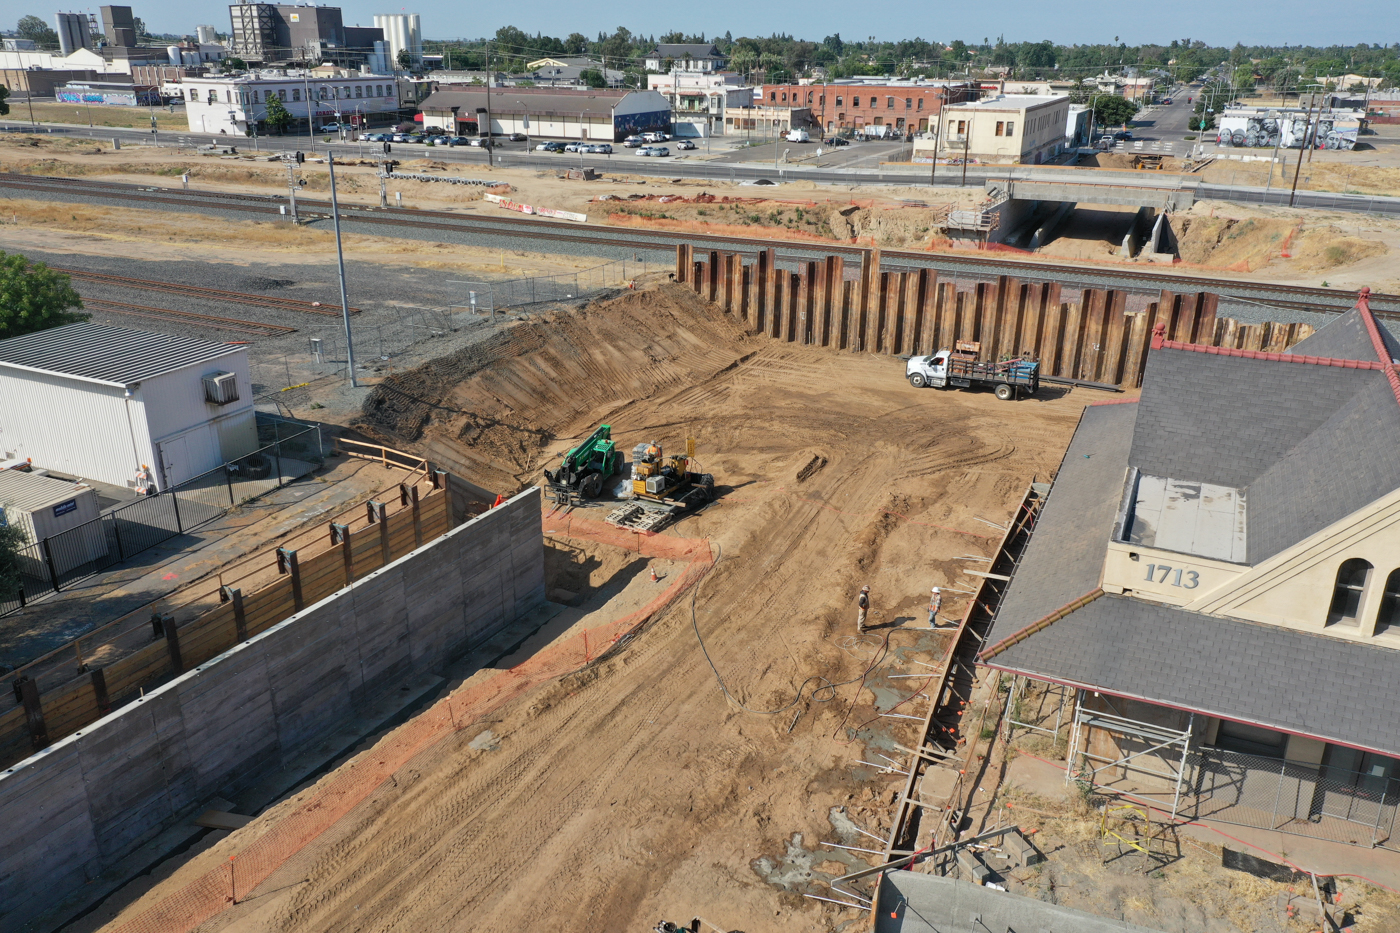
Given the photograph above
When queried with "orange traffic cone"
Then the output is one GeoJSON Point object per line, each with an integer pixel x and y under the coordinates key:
{"type": "Point", "coordinates": [654, 578]}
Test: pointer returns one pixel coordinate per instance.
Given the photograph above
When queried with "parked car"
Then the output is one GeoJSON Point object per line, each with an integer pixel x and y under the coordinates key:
{"type": "Point", "coordinates": [1123, 134]}
{"type": "Point", "coordinates": [440, 140]}
{"type": "Point", "coordinates": [798, 136]}
{"type": "Point", "coordinates": [550, 146]}
{"type": "Point", "coordinates": [632, 142]}
{"type": "Point", "coordinates": [332, 128]}
{"type": "Point", "coordinates": [482, 142]}
{"type": "Point", "coordinates": [599, 149]}
{"type": "Point", "coordinates": [654, 151]}
{"type": "Point", "coordinates": [1104, 142]}
{"type": "Point", "coordinates": [655, 137]}
{"type": "Point", "coordinates": [572, 147]}
{"type": "Point", "coordinates": [836, 141]}
{"type": "Point", "coordinates": [518, 137]}
{"type": "Point", "coordinates": [459, 141]}
{"type": "Point", "coordinates": [399, 138]}
{"type": "Point", "coordinates": [685, 144]}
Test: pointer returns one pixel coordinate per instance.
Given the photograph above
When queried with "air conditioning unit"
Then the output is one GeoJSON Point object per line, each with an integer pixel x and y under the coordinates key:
{"type": "Point", "coordinates": [220, 388]}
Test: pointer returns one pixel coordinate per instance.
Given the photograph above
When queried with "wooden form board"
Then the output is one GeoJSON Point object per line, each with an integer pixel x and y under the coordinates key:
{"type": "Point", "coordinates": [71, 707]}
{"type": "Point", "coordinates": [1096, 339]}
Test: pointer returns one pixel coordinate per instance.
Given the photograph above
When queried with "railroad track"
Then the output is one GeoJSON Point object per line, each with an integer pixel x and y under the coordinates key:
{"type": "Point", "coordinates": [212, 294]}
{"type": "Point", "coordinates": [187, 317]}
{"type": "Point", "coordinates": [1142, 280]}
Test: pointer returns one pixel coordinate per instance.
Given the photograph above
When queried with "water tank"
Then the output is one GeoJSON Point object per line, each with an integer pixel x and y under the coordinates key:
{"type": "Point", "coordinates": [174, 52]}
{"type": "Point", "coordinates": [207, 35]}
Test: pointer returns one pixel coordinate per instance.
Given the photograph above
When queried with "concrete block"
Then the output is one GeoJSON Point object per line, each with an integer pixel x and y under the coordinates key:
{"type": "Point", "coordinates": [1021, 850]}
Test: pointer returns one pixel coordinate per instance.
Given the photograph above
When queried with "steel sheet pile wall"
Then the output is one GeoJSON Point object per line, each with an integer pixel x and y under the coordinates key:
{"type": "Point", "coordinates": [1094, 339]}
{"type": "Point", "coordinates": [82, 804]}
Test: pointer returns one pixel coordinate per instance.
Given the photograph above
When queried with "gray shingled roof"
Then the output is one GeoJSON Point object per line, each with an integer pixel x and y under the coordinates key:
{"type": "Point", "coordinates": [105, 354]}
{"type": "Point", "coordinates": [1319, 686]}
{"type": "Point", "coordinates": [1345, 338]}
{"type": "Point", "coordinates": [1226, 420]}
{"type": "Point", "coordinates": [680, 50]}
{"type": "Point", "coordinates": [1066, 553]}
{"type": "Point", "coordinates": [1347, 463]}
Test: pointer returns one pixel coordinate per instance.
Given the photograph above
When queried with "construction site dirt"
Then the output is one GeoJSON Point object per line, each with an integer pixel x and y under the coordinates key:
{"type": "Point", "coordinates": [697, 769]}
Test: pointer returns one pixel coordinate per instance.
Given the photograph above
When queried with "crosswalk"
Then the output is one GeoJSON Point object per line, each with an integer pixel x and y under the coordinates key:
{"type": "Point", "coordinates": [1154, 146]}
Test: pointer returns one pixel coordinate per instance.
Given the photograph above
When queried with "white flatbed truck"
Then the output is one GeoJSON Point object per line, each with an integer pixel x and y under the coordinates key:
{"type": "Point", "coordinates": [1010, 379]}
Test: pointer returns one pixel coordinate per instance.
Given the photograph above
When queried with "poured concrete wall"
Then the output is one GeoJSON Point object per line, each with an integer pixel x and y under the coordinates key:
{"type": "Point", "coordinates": [913, 902]}
{"type": "Point", "coordinates": [85, 802]}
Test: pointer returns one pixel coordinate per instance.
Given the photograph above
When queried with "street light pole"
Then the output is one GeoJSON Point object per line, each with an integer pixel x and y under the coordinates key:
{"type": "Point", "coordinates": [340, 262]}
{"type": "Point", "coordinates": [1307, 129]}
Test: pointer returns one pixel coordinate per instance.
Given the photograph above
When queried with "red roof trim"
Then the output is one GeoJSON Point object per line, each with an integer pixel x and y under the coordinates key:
{"type": "Point", "coordinates": [1272, 357]}
{"type": "Point", "coordinates": [1363, 304]}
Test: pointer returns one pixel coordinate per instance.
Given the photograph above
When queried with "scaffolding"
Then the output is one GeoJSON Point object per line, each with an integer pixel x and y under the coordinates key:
{"type": "Point", "coordinates": [1058, 692]}
{"type": "Point", "coordinates": [1160, 743]}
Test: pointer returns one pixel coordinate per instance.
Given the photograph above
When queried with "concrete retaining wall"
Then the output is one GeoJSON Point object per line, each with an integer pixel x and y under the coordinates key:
{"type": "Point", "coordinates": [84, 803]}
{"type": "Point", "coordinates": [913, 902]}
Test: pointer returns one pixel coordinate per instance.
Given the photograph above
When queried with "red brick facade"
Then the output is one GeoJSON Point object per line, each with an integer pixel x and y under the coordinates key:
{"type": "Point", "coordinates": [837, 107]}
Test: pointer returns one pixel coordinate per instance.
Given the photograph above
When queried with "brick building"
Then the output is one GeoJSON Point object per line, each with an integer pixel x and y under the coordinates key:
{"type": "Point", "coordinates": [894, 107]}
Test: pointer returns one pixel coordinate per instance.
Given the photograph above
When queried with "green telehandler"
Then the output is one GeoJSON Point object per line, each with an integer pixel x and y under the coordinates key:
{"type": "Point", "coordinates": [583, 469]}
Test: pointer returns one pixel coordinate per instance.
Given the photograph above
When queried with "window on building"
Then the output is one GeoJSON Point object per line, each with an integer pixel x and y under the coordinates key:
{"type": "Point", "coordinates": [889, 103]}
{"type": "Point", "coordinates": [1346, 595]}
{"type": "Point", "coordinates": [296, 94]}
{"type": "Point", "coordinates": [194, 94]}
{"type": "Point", "coordinates": [1000, 126]}
{"type": "Point", "coordinates": [921, 104]}
{"type": "Point", "coordinates": [1010, 128]}
{"type": "Point", "coordinates": [838, 100]}
{"type": "Point", "coordinates": [855, 101]}
{"type": "Point", "coordinates": [809, 97]}
{"type": "Point", "coordinates": [822, 100]}
{"type": "Point", "coordinates": [1390, 604]}
{"type": "Point", "coordinates": [879, 121]}
{"type": "Point", "coordinates": [773, 96]}
{"type": "Point", "coordinates": [359, 91]}
{"type": "Point", "coordinates": [1251, 740]}
{"type": "Point", "coordinates": [899, 122]}
{"type": "Point", "coordinates": [785, 97]}
{"type": "Point", "coordinates": [908, 103]}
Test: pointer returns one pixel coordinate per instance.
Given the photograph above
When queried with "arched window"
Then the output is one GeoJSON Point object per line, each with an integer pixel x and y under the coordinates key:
{"type": "Point", "coordinates": [1346, 596]}
{"type": "Point", "coordinates": [1389, 617]}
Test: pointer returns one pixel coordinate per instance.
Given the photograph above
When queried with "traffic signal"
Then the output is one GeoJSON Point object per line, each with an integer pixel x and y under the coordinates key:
{"type": "Point", "coordinates": [388, 148]}
{"type": "Point", "coordinates": [300, 157]}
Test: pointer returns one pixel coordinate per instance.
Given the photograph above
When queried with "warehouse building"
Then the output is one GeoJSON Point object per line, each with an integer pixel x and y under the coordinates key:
{"type": "Point", "coordinates": [101, 402]}
{"type": "Point", "coordinates": [602, 115]}
{"type": "Point", "coordinates": [1212, 591]}
{"type": "Point", "coordinates": [236, 106]}
{"type": "Point", "coordinates": [886, 109]}
{"type": "Point", "coordinates": [1025, 130]}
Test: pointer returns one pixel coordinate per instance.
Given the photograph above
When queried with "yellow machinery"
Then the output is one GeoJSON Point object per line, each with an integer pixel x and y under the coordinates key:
{"type": "Point", "coordinates": [674, 481]}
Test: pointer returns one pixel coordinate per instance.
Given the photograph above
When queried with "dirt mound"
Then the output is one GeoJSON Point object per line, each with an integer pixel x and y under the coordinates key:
{"type": "Point", "coordinates": [1245, 244]}
{"type": "Point", "coordinates": [879, 224]}
{"type": "Point", "coordinates": [492, 407]}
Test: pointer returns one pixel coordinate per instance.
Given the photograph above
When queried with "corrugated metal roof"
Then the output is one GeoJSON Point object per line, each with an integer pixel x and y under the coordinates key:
{"type": "Point", "coordinates": [110, 355]}
{"type": "Point", "coordinates": [27, 492]}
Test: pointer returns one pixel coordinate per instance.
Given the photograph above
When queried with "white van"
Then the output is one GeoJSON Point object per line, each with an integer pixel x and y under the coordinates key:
{"type": "Point", "coordinates": [798, 136]}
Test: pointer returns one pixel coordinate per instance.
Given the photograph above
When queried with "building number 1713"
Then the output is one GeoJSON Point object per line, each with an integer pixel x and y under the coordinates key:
{"type": "Point", "coordinates": [1193, 579]}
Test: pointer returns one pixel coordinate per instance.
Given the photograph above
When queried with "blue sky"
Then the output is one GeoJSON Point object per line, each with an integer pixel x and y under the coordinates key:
{"type": "Point", "coordinates": [1217, 22]}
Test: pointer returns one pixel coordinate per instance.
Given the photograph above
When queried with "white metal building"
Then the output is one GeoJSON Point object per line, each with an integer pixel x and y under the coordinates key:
{"type": "Point", "coordinates": [100, 402]}
{"type": "Point", "coordinates": [225, 105]}
{"type": "Point", "coordinates": [44, 506]}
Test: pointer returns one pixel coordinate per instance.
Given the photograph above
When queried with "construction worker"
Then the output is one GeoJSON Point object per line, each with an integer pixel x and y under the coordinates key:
{"type": "Point", "coordinates": [863, 606]}
{"type": "Point", "coordinates": [935, 603]}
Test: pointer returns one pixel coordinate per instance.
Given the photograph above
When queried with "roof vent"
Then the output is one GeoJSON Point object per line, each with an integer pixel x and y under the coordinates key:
{"type": "Point", "coordinates": [220, 388]}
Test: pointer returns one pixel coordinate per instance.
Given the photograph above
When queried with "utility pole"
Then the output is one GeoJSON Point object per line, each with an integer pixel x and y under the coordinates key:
{"type": "Point", "coordinates": [310, 108]}
{"type": "Point", "coordinates": [967, 143]}
{"type": "Point", "coordinates": [340, 262]}
{"type": "Point", "coordinates": [1307, 129]}
{"type": "Point", "coordinates": [490, 150]}
{"type": "Point", "coordinates": [937, 137]}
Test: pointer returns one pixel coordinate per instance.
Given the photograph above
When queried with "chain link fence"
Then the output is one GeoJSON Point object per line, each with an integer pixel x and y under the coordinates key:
{"type": "Point", "coordinates": [382, 336]}
{"type": "Point", "coordinates": [1324, 802]}
{"type": "Point", "coordinates": [288, 450]}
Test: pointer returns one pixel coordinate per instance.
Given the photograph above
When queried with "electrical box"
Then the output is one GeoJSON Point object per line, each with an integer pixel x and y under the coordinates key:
{"type": "Point", "coordinates": [656, 485]}
{"type": "Point", "coordinates": [221, 388]}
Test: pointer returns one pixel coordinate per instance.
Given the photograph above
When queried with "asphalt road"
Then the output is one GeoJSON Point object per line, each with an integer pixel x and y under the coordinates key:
{"type": "Point", "coordinates": [851, 171]}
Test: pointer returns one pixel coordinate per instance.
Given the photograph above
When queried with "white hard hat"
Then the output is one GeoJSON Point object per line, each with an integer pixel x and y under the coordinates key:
{"type": "Point", "coordinates": [866, 588]}
{"type": "Point", "coordinates": [935, 589]}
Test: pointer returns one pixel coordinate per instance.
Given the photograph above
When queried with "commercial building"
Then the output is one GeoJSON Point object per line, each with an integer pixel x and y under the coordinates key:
{"type": "Point", "coordinates": [702, 57]}
{"type": "Point", "coordinates": [108, 92]}
{"type": "Point", "coordinates": [768, 120]}
{"type": "Point", "coordinates": [1213, 584]}
{"type": "Point", "coordinates": [100, 402]}
{"type": "Point", "coordinates": [267, 32]}
{"type": "Point", "coordinates": [404, 33]}
{"type": "Point", "coordinates": [1023, 129]}
{"type": "Point", "coordinates": [602, 115]}
{"type": "Point", "coordinates": [896, 108]}
{"type": "Point", "coordinates": [702, 99]}
{"type": "Point", "coordinates": [236, 105]}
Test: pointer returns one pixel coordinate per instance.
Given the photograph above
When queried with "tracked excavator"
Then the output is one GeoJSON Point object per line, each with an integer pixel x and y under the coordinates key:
{"type": "Point", "coordinates": [583, 469]}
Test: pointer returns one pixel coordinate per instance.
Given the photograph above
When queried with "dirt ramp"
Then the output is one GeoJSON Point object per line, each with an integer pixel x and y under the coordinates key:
{"type": "Point", "coordinates": [488, 410]}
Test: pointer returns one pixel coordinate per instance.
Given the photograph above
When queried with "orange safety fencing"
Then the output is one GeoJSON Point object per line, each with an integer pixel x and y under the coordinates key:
{"type": "Point", "coordinates": [239, 877]}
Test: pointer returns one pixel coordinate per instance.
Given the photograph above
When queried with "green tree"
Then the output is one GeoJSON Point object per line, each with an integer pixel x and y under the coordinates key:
{"type": "Point", "coordinates": [32, 27]}
{"type": "Point", "coordinates": [405, 59]}
{"type": "Point", "coordinates": [12, 539]}
{"type": "Point", "coordinates": [33, 297]}
{"type": "Point", "coordinates": [593, 77]}
{"type": "Point", "coordinates": [1111, 110]}
{"type": "Point", "coordinates": [4, 93]}
{"type": "Point", "coordinates": [277, 114]}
